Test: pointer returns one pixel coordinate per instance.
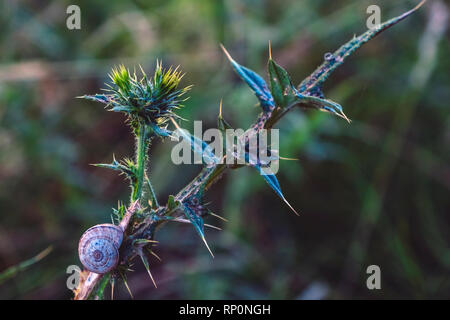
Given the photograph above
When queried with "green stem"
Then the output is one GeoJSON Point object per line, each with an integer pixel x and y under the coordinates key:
{"type": "Point", "coordinates": [101, 287]}
{"type": "Point", "coordinates": [141, 154]}
{"type": "Point", "coordinates": [141, 149]}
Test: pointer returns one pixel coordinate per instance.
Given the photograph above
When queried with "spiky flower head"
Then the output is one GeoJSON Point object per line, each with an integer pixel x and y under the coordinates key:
{"type": "Point", "coordinates": [151, 100]}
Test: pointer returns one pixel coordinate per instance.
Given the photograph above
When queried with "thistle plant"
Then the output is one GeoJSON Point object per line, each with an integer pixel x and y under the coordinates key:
{"type": "Point", "coordinates": [150, 105]}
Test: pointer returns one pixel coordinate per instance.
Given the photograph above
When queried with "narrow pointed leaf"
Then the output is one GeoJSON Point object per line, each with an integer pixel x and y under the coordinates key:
{"type": "Point", "coordinates": [125, 169]}
{"type": "Point", "coordinates": [254, 81]}
{"type": "Point", "coordinates": [125, 109]}
{"type": "Point", "coordinates": [314, 82]}
{"type": "Point", "coordinates": [159, 131]}
{"type": "Point", "coordinates": [198, 225]}
{"type": "Point", "coordinates": [272, 181]}
{"type": "Point", "coordinates": [323, 104]}
{"type": "Point", "coordinates": [153, 199]}
{"type": "Point", "coordinates": [12, 271]}
{"type": "Point", "coordinates": [102, 98]}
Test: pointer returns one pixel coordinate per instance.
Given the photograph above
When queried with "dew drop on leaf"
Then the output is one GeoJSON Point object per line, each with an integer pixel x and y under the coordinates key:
{"type": "Point", "coordinates": [328, 56]}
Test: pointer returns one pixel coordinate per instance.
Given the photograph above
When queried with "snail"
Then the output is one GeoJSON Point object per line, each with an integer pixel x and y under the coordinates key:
{"type": "Point", "coordinates": [99, 247]}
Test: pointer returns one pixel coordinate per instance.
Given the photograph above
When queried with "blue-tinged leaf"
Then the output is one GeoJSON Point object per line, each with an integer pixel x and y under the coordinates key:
{"type": "Point", "coordinates": [255, 82]}
{"type": "Point", "coordinates": [322, 104]}
{"type": "Point", "coordinates": [198, 225]}
{"type": "Point", "coordinates": [271, 179]}
{"type": "Point", "coordinates": [159, 131]}
{"type": "Point", "coordinates": [125, 168]}
{"type": "Point", "coordinates": [102, 98]}
{"type": "Point", "coordinates": [120, 108]}
{"type": "Point", "coordinates": [314, 82]}
{"type": "Point", "coordinates": [198, 146]}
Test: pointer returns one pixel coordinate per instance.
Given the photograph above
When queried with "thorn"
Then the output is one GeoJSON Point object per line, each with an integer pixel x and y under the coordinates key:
{"type": "Point", "coordinates": [217, 216]}
{"type": "Point", "coordinates": [226, 53]}
{"type": "Point", "coordinates": [343, 116]}
{"type": "Point", "coordinates": [126, 285]}
{"type": "Point", "coordinates": [206, 244]}
{"type": "Point", "coordinates": [213, 227]}
{"type": "Point", "coordinates": [155, 255]}
{"type": "Point", "coordinates": [145, 262]}
{"type": "Point", "coordinates": [174, 123]}
{"type": "Point", "coordinates": [419, 5]}
{"type": "Point", "coordinates": [283, 158]}
{"type": "Point", "coordinates": [189, 222]}
{"type": "Point", "coordinates": [43, 253]}
{"type": "Point", "coordinates": [290, 206]}
{"type": "Point", "coordinates": [220, 109]}
{"type": "Point", "coordinates": [180, 220]}
{"type": "Point", "coordinates": [142, 69]}
{"type": "Point", "coordinates": [112, 288]}
{"type": "Point", "coordinates": [270, 51]}
{"type": "Point", "coordinates": [140, 241]}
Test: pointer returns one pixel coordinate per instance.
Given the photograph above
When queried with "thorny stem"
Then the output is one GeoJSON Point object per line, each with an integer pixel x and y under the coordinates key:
{"type": "Point", "coordinates": [141, 148]}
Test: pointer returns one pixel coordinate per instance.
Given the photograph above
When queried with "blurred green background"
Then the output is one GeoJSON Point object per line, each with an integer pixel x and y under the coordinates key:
{"type": "Point", "coordinates": [375, 191]}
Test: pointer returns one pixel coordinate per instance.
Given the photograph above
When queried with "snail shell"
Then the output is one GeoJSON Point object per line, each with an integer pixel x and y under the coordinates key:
{"type": "Point", "coordinates": [99, 247]}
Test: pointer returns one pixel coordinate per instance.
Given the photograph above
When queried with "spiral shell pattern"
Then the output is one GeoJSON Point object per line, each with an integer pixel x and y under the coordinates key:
{"type": "Point", "coordinates": [98, 248]}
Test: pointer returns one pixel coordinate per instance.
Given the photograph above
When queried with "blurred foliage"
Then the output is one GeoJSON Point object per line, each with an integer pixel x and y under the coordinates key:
{"type": "Point", "coordinates": [371, 192]}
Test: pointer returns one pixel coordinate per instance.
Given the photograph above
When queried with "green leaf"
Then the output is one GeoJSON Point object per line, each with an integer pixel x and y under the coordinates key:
{"type": "Point", "coordinates": [255, 82]}
{"type": "Point", "coordinates": [281, 86]}
{"type": "Point", "coordinates": [12, 271]}
{"type": "Point", "coordinates": [99, 294]}
{"type": "Point", "coordinates": [172, 204]}
{"type": "Point", "coordinates": [118, 213]}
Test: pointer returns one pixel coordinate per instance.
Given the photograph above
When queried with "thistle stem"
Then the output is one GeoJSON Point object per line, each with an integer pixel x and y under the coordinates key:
{"type": "Point", "coordinates": [141, 148]}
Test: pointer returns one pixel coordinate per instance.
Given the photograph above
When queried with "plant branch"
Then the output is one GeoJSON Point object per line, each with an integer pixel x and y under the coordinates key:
{"type": "Point", "coordinates": [308, 94]}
